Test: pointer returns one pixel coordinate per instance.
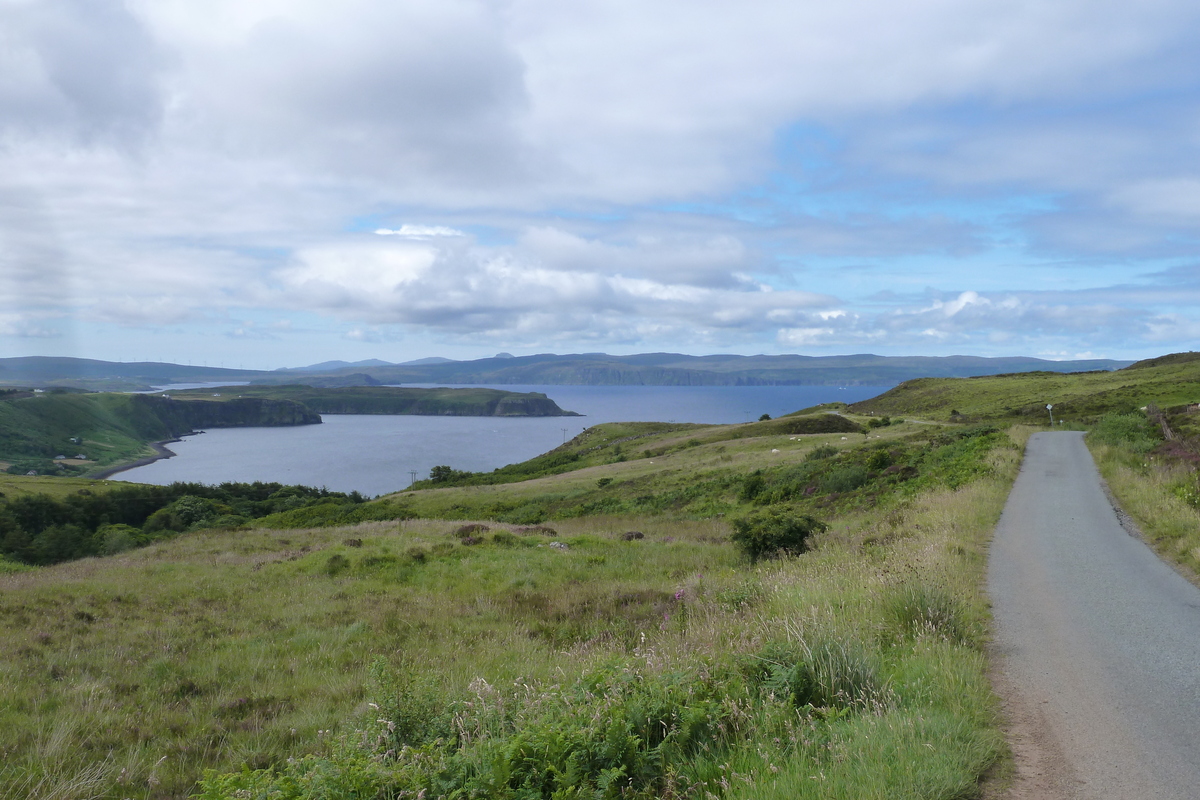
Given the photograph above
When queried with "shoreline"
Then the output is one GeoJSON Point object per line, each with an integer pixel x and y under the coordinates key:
{"type": "Point", "coordinates": [161, 452]}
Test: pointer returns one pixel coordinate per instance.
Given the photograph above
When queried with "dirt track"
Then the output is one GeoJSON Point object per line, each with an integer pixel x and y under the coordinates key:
{"type": "Point", "coordinates": [1098, 641]}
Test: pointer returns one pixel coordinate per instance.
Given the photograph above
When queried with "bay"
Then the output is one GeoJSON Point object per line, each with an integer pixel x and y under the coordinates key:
{"type": "Point", "coordinates": [375, 454]}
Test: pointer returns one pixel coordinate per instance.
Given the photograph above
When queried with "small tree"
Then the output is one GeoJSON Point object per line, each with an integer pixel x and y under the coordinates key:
{"type": "Point", "coordinates": [774, 532]}
{"type": "Point", "coordinates": [441, 474]}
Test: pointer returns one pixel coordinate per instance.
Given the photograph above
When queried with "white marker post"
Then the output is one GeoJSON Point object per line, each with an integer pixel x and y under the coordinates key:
{"type": "Point", "coordinates": [1050, 408]}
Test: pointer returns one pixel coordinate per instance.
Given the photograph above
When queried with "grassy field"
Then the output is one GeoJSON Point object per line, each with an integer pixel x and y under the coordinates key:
{"type": "Point", "coordinates": [567, 655]}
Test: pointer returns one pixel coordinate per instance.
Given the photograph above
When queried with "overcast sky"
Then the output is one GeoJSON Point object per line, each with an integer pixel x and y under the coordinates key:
{"type": "Point", "coordinates": [268, 183]}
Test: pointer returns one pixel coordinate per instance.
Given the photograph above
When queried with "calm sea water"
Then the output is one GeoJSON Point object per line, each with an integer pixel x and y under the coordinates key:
{"type": "Point", "coordinates": [379, 454]}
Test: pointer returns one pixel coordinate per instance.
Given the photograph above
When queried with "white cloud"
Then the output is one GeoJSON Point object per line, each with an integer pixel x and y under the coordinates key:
{"type": "Point", "coordinates": [419, 231]}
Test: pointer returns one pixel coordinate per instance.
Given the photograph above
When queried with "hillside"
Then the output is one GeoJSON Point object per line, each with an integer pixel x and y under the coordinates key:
{"type": "Point", "coordinates": [649, 369]}
{"type": "Point", "coordinates": [641, 636]}
{"type": "Point", "coordinates": [394, 400]}
{"type": "Point", "coordinates": [108, 429]}
{"type": "Point", "coordinates": [673, 369]}
{"type": "Point", "coordinates": [87, 373]}
{"type": "Point", "coordinates": [1167, 381]}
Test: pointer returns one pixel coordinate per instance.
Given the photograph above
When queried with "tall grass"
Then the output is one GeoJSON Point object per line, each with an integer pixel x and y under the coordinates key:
{"type": "Point", "coordinates": [1161, 495]}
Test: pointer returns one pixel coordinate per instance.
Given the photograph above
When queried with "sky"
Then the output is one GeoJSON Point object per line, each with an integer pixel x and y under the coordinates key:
{"type": "Point", "coordinates": [274, 183]}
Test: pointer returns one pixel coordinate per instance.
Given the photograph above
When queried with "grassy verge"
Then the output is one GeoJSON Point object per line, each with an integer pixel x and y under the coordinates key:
{"type": "Point", "coordinates": [1162, 497]}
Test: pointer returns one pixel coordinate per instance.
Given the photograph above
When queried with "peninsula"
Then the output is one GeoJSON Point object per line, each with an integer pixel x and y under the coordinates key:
{"type": "Point", "coordinates": [76, 433]}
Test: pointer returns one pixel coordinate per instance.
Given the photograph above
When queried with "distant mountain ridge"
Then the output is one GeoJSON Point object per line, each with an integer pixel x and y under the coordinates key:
{"type": "Point", "coordinates": [674, 369]}
{"type": "Point", "coordinates": [584, 369]}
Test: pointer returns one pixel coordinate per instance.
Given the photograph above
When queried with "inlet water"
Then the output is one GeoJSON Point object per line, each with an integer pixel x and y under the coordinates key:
{"type": "Point", "coordinates": [376, 454]}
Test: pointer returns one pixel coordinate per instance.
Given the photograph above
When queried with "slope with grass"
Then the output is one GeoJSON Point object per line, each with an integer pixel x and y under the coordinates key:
{"type": "Point", "coordinates": [1168, 381]}
{"type": "Point", "coordinates": [599, 653]}
{"type": "Point", "coordinates": [109, 429]}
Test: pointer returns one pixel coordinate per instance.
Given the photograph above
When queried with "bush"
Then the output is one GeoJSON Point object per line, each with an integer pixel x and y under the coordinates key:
{"type": "Point", "coordinates": [752, 486]}
{"type": "Point", "coordinates": [773, 532]}
{"type": "Point", "coordinates": [823, 451]}
{"type": "Point", "coordinates": [846, 479]}
{"type": "Point", "coordinates": [117, 539]}
{"type": "Point", "coordinates": [1131, 431]}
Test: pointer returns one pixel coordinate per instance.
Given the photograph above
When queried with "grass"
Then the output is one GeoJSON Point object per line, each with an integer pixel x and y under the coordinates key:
{"type": "Point", "coordinates": [697, 472]}
{"type": "Point", "coordinates": [1162, 496]}
{"type": "Point", "coordinates": [128, 676]}
{"type": "Point", "coordinates": [1167, 382]}
{"type": "Point", "coordinates": [13, 486]}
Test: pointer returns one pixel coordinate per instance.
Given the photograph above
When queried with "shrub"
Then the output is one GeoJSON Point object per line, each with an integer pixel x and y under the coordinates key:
{"type": "Point", "coordinates": [846, 479]}
{"type": "Point", "coordinates": [774, 532]}
{"type": "Point", "coordinates": [505, 539]}
{"type": "Point", "coordinates": [1132, 431]}
{"type": "Point", "coordinates": [752, 486]}
{"type": "Point", "coordinates": [822, 451]}
{"type": "Point", "coordinates": [879, 460]}
{"type": "Point", "coordinates": [116, 539]}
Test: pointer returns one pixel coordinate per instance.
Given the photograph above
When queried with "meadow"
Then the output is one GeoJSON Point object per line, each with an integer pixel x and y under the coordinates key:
{"type": "Point", "coordinates": [596, 653]}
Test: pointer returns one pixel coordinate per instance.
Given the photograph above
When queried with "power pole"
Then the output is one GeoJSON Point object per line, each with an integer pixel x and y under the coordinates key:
{"type": "Point", "coordinates": [413, 477]}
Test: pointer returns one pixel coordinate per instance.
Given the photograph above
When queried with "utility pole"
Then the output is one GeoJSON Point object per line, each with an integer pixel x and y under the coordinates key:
{"type": "Point", "coordinates": [564, 430]}
{"type": "Point", "coordinates": [413, 477]}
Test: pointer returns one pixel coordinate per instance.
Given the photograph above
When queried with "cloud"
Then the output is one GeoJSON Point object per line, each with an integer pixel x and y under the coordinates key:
{"type": "Point", "coordinates": [85, 70]}
{"type": "Point", "coordinates": [419, 231]}
{"type": "Point", "coordinates": [460, 288]}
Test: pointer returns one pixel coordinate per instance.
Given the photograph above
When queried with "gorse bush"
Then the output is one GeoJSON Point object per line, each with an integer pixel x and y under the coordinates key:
{"type": "Point", "coordinates": [774, 532]}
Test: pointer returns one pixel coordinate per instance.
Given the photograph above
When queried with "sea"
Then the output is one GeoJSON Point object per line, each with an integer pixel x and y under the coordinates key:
{"type": "Point", "coordinates": [376, 454]}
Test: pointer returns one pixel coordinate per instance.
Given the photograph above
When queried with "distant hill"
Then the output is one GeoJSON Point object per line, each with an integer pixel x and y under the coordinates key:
{"type": "Point", "coordinates": [584, 369]}
{"type": "Point", "coordinates": [87, 373]}
{"type": "Point", "coordinates": [330, 366]}
{"type": "Point", "coordinates": [673, 369]}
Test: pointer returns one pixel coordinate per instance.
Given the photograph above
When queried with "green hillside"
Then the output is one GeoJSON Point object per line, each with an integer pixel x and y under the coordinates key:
{"type": "Point", "coordinates": [107, 429]}
{"type": "Point", "coordinates": [1166, 382]}
{"type": "Point", "coordinates": [394, 400]}
{"type": "Point", "coordinates": [640, 641]}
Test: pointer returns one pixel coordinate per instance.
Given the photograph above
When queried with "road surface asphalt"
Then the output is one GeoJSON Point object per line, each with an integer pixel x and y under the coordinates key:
{"type": "Point", "coordinates": [1098, 641]}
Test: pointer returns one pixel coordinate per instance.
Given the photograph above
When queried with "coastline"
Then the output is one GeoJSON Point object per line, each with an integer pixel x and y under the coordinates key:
{"type": "Point", "coordinates": [161, 452]}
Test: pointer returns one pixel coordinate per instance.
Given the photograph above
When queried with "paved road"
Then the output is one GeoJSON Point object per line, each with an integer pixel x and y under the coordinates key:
{"type": "Point", "coordinates": [1099, 641]}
